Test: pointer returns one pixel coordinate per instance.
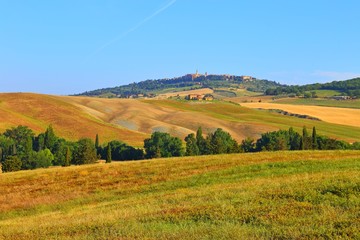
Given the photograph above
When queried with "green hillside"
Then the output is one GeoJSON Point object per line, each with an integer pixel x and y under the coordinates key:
{"type": "Point", "coordinates": [190, 81]}
{"type": "Point", "coordinates": [274, 195]}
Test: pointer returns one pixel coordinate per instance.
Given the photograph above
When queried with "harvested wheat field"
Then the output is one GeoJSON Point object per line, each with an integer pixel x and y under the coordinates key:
{"type": "Point", "coordinates": [133, 120]}
{"type": "Point", "coordinates": [180, 118]}
{"type": "Point", "coordinates": [272, 195]}
{"type": "Point", "coordinates": [175, 117]}
{"type": "Point", "coordinates": [37, 111]}
{"type": "Point", "coordinates": [343, 116]}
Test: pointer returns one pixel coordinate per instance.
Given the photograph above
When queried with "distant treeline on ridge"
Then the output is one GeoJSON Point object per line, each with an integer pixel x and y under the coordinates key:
{"type": "Point", "coordinates": [349, 87]}
{"type": "Point", "coordinates": [190, 81]}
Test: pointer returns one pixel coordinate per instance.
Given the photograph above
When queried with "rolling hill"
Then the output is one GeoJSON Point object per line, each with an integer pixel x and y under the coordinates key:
{"type": "Point", "coordinates": [69, 120]}
{"type": "Point", "coordinates": [272, 195]}
{"type": "Point", "coordinates": [133, 120]}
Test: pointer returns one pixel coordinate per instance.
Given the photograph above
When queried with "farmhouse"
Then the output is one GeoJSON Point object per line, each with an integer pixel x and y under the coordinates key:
{"type": "Point", "coordinates": [194, 97]}
{"type": "Point", "coordinates": [199, 97]}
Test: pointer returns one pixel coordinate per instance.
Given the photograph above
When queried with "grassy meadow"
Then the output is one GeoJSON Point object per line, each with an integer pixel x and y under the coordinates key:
{"type": "Point", "coordinates": [273, 195]}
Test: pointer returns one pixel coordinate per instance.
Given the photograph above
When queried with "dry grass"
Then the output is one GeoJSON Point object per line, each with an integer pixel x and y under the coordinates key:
{"type": "Point", "coordinates": [350, 117]}
{"type": "Point", "coordinates": [181, 117]}
{"type": "Point", "coordinates": [177, 118]}
{"type": "Point", "coordinates": [287, 195]}
{"type": "Point", "coordinates": [70, 121]}
{"type": "Point", "coordinates": [132, 120]}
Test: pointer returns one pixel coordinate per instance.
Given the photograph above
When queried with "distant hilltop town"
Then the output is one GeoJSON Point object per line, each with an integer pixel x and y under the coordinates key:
{"type": "Point", "coordinates": [191, 81]}
{"type": "Point", "coordinates": [226, 76]}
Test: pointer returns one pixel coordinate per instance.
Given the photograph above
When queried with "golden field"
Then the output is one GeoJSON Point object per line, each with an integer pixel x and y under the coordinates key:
{"type": "Point", "coordinates": [133, 120]}
{"type": "Point", "coordinates": [270, 195]}
{"type": "Point", "coordinates": [343, 116]}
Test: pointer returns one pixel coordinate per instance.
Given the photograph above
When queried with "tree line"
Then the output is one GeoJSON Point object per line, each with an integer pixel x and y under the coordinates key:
{"type": "Point", "coordinates": [21, 149]}
{"type": "Point", "coordinates": [149, 87]}
{"type": "Point", "coordinates": [221, 142]}
{"type": "Point", "coordinates": [349, 87]}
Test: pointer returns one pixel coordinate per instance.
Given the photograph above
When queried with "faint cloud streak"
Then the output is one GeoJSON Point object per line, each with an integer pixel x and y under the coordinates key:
{"type": "Point", "coordinates": [124, 34]}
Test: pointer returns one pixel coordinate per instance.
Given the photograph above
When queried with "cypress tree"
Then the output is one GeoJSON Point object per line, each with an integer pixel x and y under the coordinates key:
{"type": "Point", "coordinates": [13, 150]}
{"type": "Point", "coordinates": [304, 141]}
{"type": "Point", "coordinates": [200, 141]}
{"type": "Point", "coordinates": [41, 142]}
{"type": "Point", "coordinates": [314, 139]}
{"type": "Point", "coordinates": [29, 145]}
{"type": "Point", "coordinates": [108, 154]}
{"type": "Point", "coordinates": [50, 138]}
{"type": "Point", "coordinates": [67, 157]}
{"type": "Point", "coordinates": [97, 141]}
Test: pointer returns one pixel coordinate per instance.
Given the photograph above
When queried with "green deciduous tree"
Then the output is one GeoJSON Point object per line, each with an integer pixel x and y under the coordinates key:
{"type": "Point", "coordinates": [294, 139]}
{"type": "Point", "coordinates": [41, 159]}
{"type": "Point", "coordinates": [273, 141]}
{"type": "Point", "coordinates": [192, 148]}
{"type": "Point", "coordinates": [121, 151]}
{"type": "Point", "coordinates": [22, 137]}
{"type": "Point", "coordinates": [221, 142]}
{"type": "Point", "coordinates": [85, 152]}
{"type": "Point", "coordinates": [11, 164]}
{"type": "Point", "coordinates": [163, 145]}
{"type": "Point", "coordinates": [6, 145]}
{"type": "Point", "coordinates": [247, 145]}
{"type": "Point", "coordinates": [356, 146]}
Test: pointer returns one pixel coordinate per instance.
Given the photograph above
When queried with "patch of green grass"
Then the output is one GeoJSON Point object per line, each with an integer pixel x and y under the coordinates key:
{"type": "Point", "coordinates": [327, 93]}
{"type": "Point", "coordinates": [170, 90]}
{"type": "Point", "coordinates": [275, 195]}
{"type": "Point", "coordinates": [219, 93]}
{"type": "Point", "coordinates": [322, 102]}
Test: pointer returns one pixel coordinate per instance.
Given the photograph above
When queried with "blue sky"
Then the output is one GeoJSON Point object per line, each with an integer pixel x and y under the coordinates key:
{"type": "Point", "coordinates": [66, 47]}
